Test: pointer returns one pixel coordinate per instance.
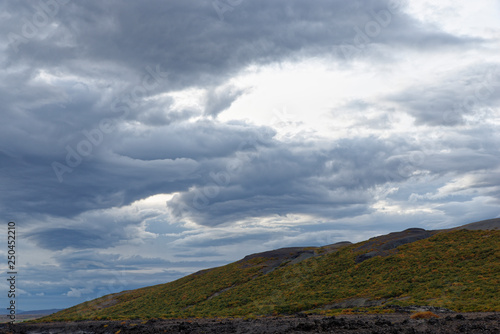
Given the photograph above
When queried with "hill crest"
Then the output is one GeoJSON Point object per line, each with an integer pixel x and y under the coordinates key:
{"type": "Point", "coordinates": [453, 268]}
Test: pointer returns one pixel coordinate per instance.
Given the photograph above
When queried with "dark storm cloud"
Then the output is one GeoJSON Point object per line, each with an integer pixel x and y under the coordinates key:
{"type": "Point", "coordinates": [197, 48]}
{"type": "Point", "coordinates": [103, 181]}
{"type": "Point", "coordinates": [206, 140]}
{"type": "Point", "coordinates": [125, 168]}
{"type": "Point", "coordinates": [330, 182]}
{"type": "Point", "coordinates": [92, 230]}
{"type": "Point", "coordinates": [100, 56]}
{"type": "Point", "coordinates": [60, 238]}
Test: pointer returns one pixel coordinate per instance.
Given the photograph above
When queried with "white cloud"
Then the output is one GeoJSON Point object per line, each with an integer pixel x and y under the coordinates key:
{"type": "Point", "coordinates": [477, 18]}
{"type": "Point", "coordinates": [75, 292]}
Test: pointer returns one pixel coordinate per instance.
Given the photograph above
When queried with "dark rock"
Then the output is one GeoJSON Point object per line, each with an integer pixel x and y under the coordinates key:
{"type": "Point", "coordinates": [305, 327]}
{"type": "Point", "coordinates": [383, 322]}
{"type": "Point", "coordinates": [301, 315]}
{"type": "Point", "coordinates": [366, 256]}
{"type": "Point", "coordinates": [380, 246]}
{"type": "Point", "coordinates": [394, 323]}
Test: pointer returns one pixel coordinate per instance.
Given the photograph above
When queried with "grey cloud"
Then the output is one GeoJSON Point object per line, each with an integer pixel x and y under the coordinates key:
{"type": "Point", "coordinates": [234, 239]}
{"type": "Point", "coordinates": [277, 180]}
{"type": "Point", "coordinates": [195, 46]}
{"type": "Point", "coordinates": [61, 238]}
{"type": "Point", "coordinates": [199, 254]}
{"type": "Point", "coordinates": [460, 160]}
{"type": "Point", "coordinates": [206, 140]}
{"type": "Point", "coordinates": [188, 41]}
{"type": "Point", "coordinates": [333, 182]}
{"type": "Point", "coordinates": [456, 96]}
{"type": "Point", "coordinates": [85, 259]}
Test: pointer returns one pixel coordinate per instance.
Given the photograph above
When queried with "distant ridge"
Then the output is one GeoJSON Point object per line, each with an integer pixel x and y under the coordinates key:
{"type": "Point", "coordinates": [489, 224]}
{"type": "Point", "coordinates": [39, 312]}
{"type": "Point", "coordinates": [451, 269]}
{"type": "Point", "coordinates": [34, 312]}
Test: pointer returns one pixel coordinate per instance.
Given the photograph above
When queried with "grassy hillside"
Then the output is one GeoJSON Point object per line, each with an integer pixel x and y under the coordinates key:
{"type": "Point", "coordinates": [459, 270]}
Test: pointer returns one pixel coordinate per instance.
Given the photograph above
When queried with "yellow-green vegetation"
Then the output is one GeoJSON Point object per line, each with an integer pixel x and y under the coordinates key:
{"type": "Point", "coordinates": [459, 270]}
{"type": "Point", "coordinates": [166, 300]}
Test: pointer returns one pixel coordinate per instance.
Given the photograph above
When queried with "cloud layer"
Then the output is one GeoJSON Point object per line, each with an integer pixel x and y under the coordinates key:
{"type": "Point", "coordinates": [140, 141]}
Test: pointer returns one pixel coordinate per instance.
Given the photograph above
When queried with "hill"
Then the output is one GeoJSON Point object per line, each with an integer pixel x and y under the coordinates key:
{"type": "Point", "coordinates": [457, 269]}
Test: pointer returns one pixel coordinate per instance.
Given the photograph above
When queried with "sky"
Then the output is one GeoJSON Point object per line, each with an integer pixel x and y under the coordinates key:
{"type": "Point", "coordinates": [141, 141]}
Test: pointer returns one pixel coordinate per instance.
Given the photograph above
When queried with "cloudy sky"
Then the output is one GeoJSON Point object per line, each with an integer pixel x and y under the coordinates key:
{"type": "Point", "coordinates": [144, 140]}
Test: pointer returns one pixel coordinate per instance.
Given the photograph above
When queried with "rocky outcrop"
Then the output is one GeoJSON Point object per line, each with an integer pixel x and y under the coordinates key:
{"type": "Point", "coordinates": [490, 224]}
{"type": "Point", "coordinates": [383, 245]}
{"type": "Point", "coordinates": [355, 324]}
{"type": "Point", "coordinates": [292, 255]}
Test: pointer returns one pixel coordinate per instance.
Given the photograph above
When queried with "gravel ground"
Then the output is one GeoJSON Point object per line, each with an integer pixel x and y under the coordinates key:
{"type": "Point", "coordinates": [369, 324]}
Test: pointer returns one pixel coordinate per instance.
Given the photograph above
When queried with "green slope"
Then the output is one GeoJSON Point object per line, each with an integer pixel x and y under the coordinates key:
{"type": "Point", "coordinates": [457, 269]}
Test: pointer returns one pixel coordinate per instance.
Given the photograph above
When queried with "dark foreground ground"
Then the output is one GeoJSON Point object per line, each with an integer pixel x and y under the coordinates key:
{"type": "Point", "coordinates": [369, 324]}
